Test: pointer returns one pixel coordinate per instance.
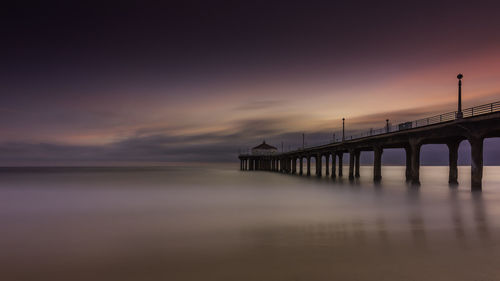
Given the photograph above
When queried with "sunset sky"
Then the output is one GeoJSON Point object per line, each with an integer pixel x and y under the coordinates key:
{"type": "Point", "coordinates": [199, 80]}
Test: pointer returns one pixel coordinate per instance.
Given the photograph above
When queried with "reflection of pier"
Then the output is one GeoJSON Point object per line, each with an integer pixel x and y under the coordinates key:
{"type": "Point", "coordinates": [472, 124]}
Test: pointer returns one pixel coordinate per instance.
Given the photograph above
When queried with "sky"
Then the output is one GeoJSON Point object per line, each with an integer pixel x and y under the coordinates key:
{"type": "Point", "coordinates": [197, 81]}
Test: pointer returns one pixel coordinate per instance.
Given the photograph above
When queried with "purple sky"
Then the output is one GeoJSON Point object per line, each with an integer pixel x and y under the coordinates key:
{"type": "Point", "coordinates": [198, 80]}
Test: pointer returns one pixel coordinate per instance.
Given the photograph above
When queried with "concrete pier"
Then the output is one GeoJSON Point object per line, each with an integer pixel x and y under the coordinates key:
{"type": "Point", "coordinates": [308, 165]}
{"type": "Point", "coordinates": [318, 165]}
{"type": "Point", "coordinates": [341, 164]}
{"type": "Point", "coordinates": [377, 163]}
{"type": "Point", "coordinates": [351, 164]}
{"type": "Point", "coordinates": [450, 131]}
{"type": "Point", "coordinates": [453, 162]}
{"type": "Point", "coordinates": [301, 166]}
{"type": "Point", "coordinates": [334, 160]}
{"type": "Point", "coordinates": [327, 164]}
{"type": "Point", "coordinates": [357, 154]}
{"type": "Point", "coordinates": [476, 145]}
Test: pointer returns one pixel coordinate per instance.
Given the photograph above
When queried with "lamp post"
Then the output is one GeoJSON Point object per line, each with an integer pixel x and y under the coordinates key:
{"type": "Point", "coordinates": [460, 114]}
{"type": "Point", "coordinates": [343, 129]}
{"type": "Point", "coordinates": [303, 141]}
{"type": "Point", "coordinates": [387, 125]}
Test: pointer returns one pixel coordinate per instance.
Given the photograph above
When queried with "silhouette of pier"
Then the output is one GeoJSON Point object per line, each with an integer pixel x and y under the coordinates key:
{"type": "Point", "coordinates": [472, 124]}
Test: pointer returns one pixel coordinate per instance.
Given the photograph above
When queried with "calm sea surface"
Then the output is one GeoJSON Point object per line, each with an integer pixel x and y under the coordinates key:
{"type": "Point", "coordinates": [218, 223]}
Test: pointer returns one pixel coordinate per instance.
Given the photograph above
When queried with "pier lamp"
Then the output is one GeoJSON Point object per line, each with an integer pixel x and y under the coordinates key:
{"type": "Point", "coordinates": [460, 114]}
{"type": "Point", "coordinates": [387, 125]}
{"type": "Point", "coordinates": [343, 129]}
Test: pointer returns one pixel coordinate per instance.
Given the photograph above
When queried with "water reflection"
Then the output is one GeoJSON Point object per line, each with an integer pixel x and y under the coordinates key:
{"type": "Point", "coordinates": [480, 217]}
{"type": "Point", "coordinates": [191, 222]}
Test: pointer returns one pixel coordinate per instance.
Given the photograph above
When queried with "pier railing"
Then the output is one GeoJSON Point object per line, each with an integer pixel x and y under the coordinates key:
{"type": "Point", "coordinates": [433, 120]}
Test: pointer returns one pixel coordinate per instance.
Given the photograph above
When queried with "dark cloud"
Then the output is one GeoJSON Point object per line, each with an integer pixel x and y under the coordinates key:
{"type": "Point", "coordinates": [261, 105]}
{"type": "Point", "coordinates": [211, 147]}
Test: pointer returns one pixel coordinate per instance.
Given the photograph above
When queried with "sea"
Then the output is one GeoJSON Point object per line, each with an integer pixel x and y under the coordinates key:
{"type": "Point", "coordinates": [215, 222]}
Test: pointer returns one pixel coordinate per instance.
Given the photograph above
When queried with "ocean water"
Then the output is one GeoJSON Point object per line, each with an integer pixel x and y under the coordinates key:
{"type": "Point", "coordinates": [219, 223]}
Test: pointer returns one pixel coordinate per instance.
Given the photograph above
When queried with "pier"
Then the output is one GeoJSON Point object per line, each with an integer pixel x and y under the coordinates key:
{"type": "Point", "coordinates": [472, 124]}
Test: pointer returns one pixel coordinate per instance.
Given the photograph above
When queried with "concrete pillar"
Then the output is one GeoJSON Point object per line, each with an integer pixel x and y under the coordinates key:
{"type": "Point", "coordinates": [301, 164]}
{"type": "Point", "coordinates": [334, 160]}
{"type": "Point", "coordinates": [308, 165]}
{"type": "Point", "coordinates": [351, 164]}
{"type": "Point", "coordinates": [318, 165]}
{"type": "Point", "coordinates": [453, 159]}
{"type": "Point", "coordinates": [327, 164]}
{"type": "Point", "coordinates": [408, 163]}
{"type": "Point", "coordinates": [476, 149]}
{"type": "Point", "coordinates": [241, 165]}
{"type": "Point", "coordinates": [341, 163]}
{"type": "Point", "coordinates": [294, 165]}
{"type": "Point", "coordinates": [356, 161]}
{"type": "Point", "coordinates": [377, 163]}
{"type": "Point", "coordinates": [415, 163]}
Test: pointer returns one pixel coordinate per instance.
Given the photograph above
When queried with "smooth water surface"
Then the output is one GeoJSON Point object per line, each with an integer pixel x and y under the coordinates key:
{"type": "Point", "coordinates": [218, 223]}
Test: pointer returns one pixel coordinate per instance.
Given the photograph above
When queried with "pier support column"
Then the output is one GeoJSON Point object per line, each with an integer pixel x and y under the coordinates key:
{"type": "Point", "coordinates": [351, 164]}
{"type": "Point", "coordinates": [294, 165]}
{"type": "Point", "coordinates": [318, 165]}
{"type": "Point", "coordinates": [408, 164]}
{"type": "Point", "coordinates": [476, 149]}
{"type": "Point", "coordinates": [415, 163]}
{"type": "Point", "coordinates": [453, 159]}
{"type": "Point", "coordinates": [334, 160]}
{"type": "Point", "coordinates": [377, 163]}
{"type": "Point", "coordinates": [357, 154]}
{"type": "Point", "coordinates": [308, 165]}
{"type": "Point", "coordinates": [301, 164]}
{"type": "Point", "coordinates": [341, 164]}
{"type": "Point", "coordinates": [327, 164]}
